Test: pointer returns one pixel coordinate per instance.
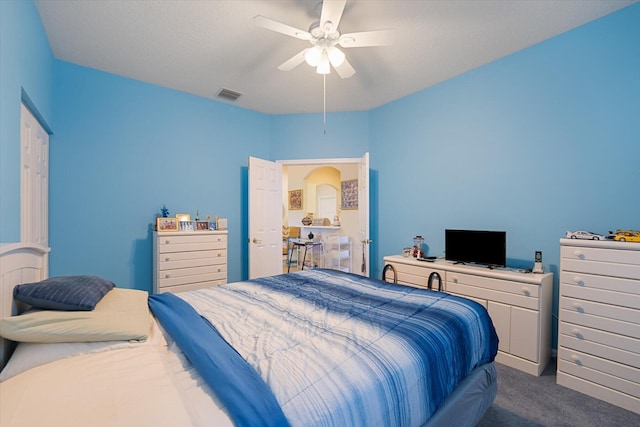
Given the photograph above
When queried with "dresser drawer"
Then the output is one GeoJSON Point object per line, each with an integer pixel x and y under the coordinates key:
{"type": "Point", "coordinates": [603, 365]}
{"type": "Point", "coordinates": [610, 340]}
{"type": "Point", "coordinates": [170, 260]}
{"type": "Point", "coordinates": [415, 275]}
{"type": "Point", "coordinates": [600, 310]}
{"type": "Point", "coordinates": [616, 256]}
{"type": "Point", "coordinates": [600, 371]}
{"type": "Point", "coordinates": [604, 283]}
{"type": "Point", "coordinates": [192, 286]}
{"type": "Point", "coordinates": [602, 323]}
{"type": "Point", "coordinates": [191, 275]}
{"type": "Point", "coordinates": [191, 246]}
{"type": "Point", "coordinates": [599, 350]}
{"type": "Point", "coordinates": [177, 239]}
{"type": "Point", "coordinates": [512, 293]}
{"type": "Point", "coordinates": [190, 263]}
{"type": "Point", "coordinates": [603, 296]}
{"type": "Point", "coordinates": [602, 268]}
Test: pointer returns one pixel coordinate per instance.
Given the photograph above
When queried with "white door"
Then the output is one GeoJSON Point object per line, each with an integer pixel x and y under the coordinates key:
{"type": "Point", "coordinates": [265, 218]}
{"type": "Point", "coordinates": [363, 215]}
{"type": "Point", "coordinates": [34, 180]}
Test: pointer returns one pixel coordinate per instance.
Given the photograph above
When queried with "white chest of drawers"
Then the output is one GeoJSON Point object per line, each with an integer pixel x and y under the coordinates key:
{"type": "Point", "coordinates": [184, 261]}
{"type": "Point", "coordinates": [599, 313]}
{"type": "Point", "coordinates": [519, 304]}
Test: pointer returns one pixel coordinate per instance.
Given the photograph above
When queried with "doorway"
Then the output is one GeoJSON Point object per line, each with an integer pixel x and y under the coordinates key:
{"type": "Point", "coordinates": [265, 256]}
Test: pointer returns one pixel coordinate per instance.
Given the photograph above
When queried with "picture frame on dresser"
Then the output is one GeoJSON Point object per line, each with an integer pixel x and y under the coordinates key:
{"type": "Point", "coordinates": [166, 224]}
{"type": "Point", "coordinates": [202, 225]}
{"type": "Point", "coordinates": [186, 225]}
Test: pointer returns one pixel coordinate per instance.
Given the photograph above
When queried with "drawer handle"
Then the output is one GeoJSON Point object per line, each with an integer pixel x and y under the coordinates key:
{"type": "Point", "coordinates": [166, 276]}
{"type": "Point", "coordinates": [578, 254]}
{"type": "Point", "coordinates": [577, 334]}
{"type": "Point", "coordinates": [219, 270]}
{"type": "Point", "coordinates": [454, 279]}
{"type": "Point", "coordinates": [578, 307]}
{"type": "Point", "coordinates": [526, 292]}
{"type": "Point", "coordinates": [219, 254]}
{"type": "Point", "coordinates": [166, 259]}
{"type": "Point", "coordinates": [576, 359]}
{"type": "Point", "coordinates": [578, 281]}
{"type": "Point", "coordinates": [167, 241]}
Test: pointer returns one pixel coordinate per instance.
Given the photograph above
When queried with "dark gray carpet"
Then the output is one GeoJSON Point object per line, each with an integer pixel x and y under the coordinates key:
{"type": "Point", "coordinates": [526, 400]}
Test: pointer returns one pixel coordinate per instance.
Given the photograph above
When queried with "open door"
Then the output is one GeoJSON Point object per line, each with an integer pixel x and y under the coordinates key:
{"type": "Point", "coordinates": [265, 218]}
{"type": "Point", "coordinates": [363, 214]}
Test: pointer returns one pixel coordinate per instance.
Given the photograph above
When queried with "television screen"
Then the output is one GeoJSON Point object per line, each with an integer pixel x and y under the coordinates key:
{"type": "Point", "coordinates": [476, 246]}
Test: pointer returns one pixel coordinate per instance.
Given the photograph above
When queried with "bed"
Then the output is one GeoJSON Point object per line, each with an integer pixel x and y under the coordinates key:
{"type": "Point", "coordinates": [311, 348]}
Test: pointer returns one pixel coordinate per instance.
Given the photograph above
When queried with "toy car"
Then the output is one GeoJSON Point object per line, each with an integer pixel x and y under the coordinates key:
{"type": "Point", "coordinates": [585, 235]}
{"type": "Point", "coordinates": [625, 235]}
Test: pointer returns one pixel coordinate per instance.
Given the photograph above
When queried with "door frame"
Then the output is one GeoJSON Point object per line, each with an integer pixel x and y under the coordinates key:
{"type": "Point", "coordinates": [365, 234]}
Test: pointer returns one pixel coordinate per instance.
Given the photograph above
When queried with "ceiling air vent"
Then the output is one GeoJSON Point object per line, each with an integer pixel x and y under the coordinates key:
{"type": "Point", "coordinates": [228, 94]}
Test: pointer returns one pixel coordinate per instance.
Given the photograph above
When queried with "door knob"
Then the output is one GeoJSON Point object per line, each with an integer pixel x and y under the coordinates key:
{"type": "Point", "coordinates": [256, 240]}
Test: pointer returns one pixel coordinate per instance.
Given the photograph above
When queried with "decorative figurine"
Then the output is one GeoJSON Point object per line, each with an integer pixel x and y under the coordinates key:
{"type": "Point", "coordinates": [164, 211]}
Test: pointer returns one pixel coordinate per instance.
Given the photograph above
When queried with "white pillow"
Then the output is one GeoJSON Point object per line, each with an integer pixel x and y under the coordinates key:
{"type": "Point", "coordinates": [122, 314]}
{"type": "Point", "coordinates": [29, 355]}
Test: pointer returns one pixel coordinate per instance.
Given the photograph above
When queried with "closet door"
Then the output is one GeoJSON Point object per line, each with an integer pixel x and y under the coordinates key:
{"type": "Point", "coordinates": [34, 180]}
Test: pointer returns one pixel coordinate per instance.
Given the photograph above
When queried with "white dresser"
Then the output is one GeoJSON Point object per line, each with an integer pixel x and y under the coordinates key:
{"type": "Point", "coordinates": [184, 261]}
{"type": "Point", "coordinates": [519, 304]}
{"type": "Point", "coordinates": [599, 313]}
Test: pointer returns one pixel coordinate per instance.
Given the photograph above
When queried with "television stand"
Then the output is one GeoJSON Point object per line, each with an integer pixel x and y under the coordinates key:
{"type": "Point", "coordinates": [518, 302]}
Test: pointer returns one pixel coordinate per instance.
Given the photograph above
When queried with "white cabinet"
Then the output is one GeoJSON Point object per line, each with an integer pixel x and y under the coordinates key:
{"type": "Point", "coordinates": [337, 253]}
{"type": "Point", "coordinates": [599, 313]}
{"type": "Point", "coordinates": [184, 261]}
{"type": "Point", "coordinates": [519, 304]}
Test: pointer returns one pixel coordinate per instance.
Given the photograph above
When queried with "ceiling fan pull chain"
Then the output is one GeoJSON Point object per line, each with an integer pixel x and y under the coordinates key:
{"type": "Point", "coordinates": [324, 103]}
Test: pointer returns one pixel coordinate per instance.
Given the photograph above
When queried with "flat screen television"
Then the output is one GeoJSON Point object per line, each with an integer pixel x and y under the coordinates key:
{"type": "Point", "coordinates": [476, 246]}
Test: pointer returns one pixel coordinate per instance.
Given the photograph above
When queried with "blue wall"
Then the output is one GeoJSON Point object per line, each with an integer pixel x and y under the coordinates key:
{"type": "Point", "coordinates": [121, 151]}
{"type": "Point", "coordinates": [26, 64]}
{"type": "Point", "coordinates": [537, 143]}
{"type": "Point", "coordinates": [305, 136]}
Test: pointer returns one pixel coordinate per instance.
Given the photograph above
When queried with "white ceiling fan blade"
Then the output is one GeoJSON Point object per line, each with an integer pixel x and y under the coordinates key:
{"type": "Point", "coordinates": [345, 70]}
{"type": "Point", "coordinates": [332, 13]}
{"type": "Point", "coordinates": [368, 38]}
{"type": "Point", "coordinates": [279, 27]}
{"type": "Point", "coordinates": [293, 62]}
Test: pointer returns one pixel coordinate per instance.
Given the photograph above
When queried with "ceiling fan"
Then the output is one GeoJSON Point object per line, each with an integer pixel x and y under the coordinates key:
{"type": "Point", "coordinates": [325, 36]}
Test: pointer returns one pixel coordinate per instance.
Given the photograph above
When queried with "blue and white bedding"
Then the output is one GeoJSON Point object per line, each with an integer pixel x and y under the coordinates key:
{"type": "Point", "coordinates": [337, 349]}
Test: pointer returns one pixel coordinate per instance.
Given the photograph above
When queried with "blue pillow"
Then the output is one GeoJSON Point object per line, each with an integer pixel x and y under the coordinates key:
{"type": "Point", "coordinates": [64, 293]}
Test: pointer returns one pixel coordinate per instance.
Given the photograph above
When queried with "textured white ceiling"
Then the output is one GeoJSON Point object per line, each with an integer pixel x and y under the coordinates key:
{"type": "Point", "coordinates": [202, 46]}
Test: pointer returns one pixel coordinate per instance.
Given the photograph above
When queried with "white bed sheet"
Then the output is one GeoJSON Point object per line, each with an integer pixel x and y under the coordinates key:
{"type": "Point", "coordinates": [146, 385]}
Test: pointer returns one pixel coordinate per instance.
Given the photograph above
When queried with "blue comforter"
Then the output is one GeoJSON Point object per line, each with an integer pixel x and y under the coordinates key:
{"type": "Point", "coordinates": [338, 349]}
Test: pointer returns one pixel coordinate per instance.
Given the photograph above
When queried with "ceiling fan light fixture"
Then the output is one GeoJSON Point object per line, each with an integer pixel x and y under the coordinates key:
{"type": "Point", "coordinates": [313, 55]}
{"type": "Point", "coordinates": [323, 65]}
{"type": "Point", "coordinates": [336, 56]}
